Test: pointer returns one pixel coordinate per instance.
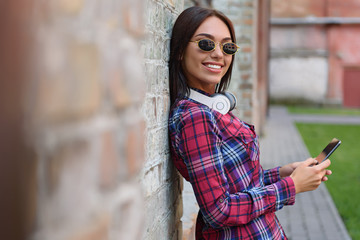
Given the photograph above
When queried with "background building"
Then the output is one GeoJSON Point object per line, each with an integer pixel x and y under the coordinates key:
{"type": "Point", "coordinates": [315, 51]}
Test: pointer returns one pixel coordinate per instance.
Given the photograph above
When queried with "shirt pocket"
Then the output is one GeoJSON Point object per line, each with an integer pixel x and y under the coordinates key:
{"type": "Point", "coordinates": [250, 140]}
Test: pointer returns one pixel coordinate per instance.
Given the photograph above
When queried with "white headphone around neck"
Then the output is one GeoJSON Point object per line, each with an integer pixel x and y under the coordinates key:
{"type": "Point", "coordinates": [221, 102]}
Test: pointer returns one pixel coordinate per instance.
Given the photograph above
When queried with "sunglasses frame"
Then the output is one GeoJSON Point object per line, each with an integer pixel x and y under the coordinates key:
{"type": "Point", "coordinates": [216, 43]}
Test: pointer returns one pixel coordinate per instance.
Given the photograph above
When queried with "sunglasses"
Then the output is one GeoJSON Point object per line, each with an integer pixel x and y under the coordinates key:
{"type": "Point", "coordinates": [208, 45]}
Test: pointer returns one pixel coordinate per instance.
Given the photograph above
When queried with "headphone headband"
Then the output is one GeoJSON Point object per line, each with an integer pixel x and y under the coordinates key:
{"type": "Point", "coordinates": [223, 103]}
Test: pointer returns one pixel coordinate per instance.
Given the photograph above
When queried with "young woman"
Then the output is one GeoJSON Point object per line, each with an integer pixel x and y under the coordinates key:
{"type": "Point", "coordinates": [214, 150]}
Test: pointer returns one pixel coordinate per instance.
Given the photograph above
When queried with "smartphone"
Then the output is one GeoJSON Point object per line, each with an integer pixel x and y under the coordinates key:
{"type": "Point", "coordinates": [328, 150]}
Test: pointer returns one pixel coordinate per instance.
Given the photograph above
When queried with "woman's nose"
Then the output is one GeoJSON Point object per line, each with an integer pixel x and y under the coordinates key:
{"type": "Point", "coordinates": [218, 51]}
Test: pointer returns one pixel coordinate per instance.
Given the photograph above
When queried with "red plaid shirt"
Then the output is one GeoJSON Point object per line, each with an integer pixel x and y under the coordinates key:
{"type": "Point", "coordinates": [219, 155]}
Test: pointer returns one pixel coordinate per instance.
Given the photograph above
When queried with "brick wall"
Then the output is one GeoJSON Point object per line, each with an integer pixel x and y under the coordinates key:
{"type": "Point", "coordinates": [89, 157]}
{"type": "Point", "coordinates": [162, 184]}
{"type": "Point", "coordinates": [85, 125]}
{"type": "Point", "coordinates": [95, 116]}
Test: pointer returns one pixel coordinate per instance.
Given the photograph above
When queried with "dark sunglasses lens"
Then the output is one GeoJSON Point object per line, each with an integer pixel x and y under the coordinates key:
{"type": "Point", "coordinates": [230, 48]}
{"type": "Point", "coordinates": [206, 45]}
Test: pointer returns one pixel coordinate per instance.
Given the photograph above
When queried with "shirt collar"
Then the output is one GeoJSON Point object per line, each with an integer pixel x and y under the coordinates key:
{"type": "Point", "coordinates": [201, 91]}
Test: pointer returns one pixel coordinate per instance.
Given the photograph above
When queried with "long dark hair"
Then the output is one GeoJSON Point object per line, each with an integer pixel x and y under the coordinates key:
{"type": "Point", "coordinates": [185, 26]}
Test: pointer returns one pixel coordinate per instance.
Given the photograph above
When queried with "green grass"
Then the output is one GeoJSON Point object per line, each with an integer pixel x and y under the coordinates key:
{"type": "Point", "coordinates": [323, 110]}
{"type": "Point", "coordinates": [344, 183]}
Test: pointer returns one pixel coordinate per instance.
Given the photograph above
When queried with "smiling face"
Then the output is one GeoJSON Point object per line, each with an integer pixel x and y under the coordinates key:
{"type": "Point", "coordinates": [204, 70]}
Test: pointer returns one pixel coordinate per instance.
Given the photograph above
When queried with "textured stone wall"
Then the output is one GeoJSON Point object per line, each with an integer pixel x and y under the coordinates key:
{"type": "Point", "coordinates": [162, 184]}
{"type": "Point", "coordinates": [96, 117]}
{"type": "Point", "coordinates": [88, 95]}
{"type": "Point", "coordinates": [85, 125]}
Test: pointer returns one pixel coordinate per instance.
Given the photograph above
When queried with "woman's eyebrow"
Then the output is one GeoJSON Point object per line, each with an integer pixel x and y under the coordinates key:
{"type": "Point", "coordinates": [227, 39]}
{"type": "Point", "coordinates": [205, 35]}
{"type": "Point", "coordinates": [212, 37]}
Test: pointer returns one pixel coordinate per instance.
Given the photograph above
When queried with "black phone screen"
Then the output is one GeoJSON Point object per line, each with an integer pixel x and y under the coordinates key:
{"type": "Point", "coordinates": [328, 150]}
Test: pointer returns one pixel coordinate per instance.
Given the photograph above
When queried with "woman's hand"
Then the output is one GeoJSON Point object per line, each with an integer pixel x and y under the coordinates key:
{"type": "Point", "coordinates": [307, 176]}
{"type": "Point", "coordinates": [288, 169]}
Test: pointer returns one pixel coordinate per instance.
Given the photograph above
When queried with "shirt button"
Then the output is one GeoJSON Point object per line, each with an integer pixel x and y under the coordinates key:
{"type": "Point", "coordinates": [221, 200]}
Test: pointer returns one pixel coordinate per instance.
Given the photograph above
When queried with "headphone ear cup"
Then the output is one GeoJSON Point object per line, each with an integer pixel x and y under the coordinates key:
{"type": "Point", "coordinates": [232, 100]}
{"type": "Point", "coordinates": [220, 103]}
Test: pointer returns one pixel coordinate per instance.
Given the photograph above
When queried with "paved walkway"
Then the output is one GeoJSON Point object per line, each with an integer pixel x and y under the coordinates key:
{"type": "Point", "coordinates": [314, 216]}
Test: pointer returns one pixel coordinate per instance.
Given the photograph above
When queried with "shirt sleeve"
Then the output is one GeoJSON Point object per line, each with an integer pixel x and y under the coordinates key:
{"type": "Point", "coordinates": [199, 146]}
{"type": "Point", "coordinates": [272, 175]}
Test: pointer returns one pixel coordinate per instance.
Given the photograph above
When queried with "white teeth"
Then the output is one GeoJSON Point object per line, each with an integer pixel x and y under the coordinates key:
{"type": "Point", "coordinates": [213, 66]}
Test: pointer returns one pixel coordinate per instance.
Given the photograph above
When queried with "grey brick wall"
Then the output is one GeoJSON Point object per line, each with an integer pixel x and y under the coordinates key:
{"type": "Point", "coordinates": [162, 184]}
{"type": "Point", "coordinates": [97, 106]}
{"type": "Point", "coordinates": [85, 125]}
{"type": "Point", "coordinates": [92, 100]}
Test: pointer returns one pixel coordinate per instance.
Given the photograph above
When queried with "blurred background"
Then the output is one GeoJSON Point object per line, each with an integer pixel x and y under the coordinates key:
{"type": "Point", "coordinates": [85, 97]}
